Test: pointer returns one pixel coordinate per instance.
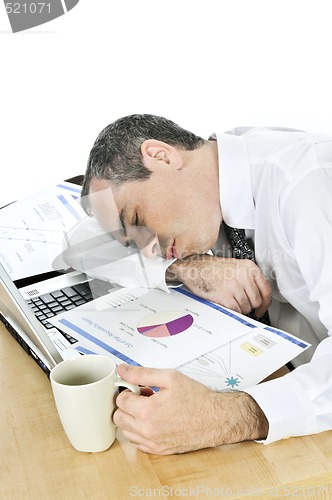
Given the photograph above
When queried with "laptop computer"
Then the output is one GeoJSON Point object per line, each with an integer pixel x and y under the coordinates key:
{"type": "Point", "coordinates": [25, 310]}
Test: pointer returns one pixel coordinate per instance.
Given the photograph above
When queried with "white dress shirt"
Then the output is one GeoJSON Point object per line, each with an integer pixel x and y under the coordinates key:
{"type": "Point", "coordinates": [277, 183]}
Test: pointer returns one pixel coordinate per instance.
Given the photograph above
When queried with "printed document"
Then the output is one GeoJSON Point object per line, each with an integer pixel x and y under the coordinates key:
{"type": "Point", "coordinates": [169, 330]}
{"type": "Point", "coordinates": [245, 361]}
{"type": "Point", "coordinates": [32, 229]}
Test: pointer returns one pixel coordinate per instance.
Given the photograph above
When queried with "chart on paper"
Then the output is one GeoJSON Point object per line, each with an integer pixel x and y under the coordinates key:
{"type": "Point", "coordinates": [209, 343]}
{"type": "Point", "coordinates": [245, 361]}
{"type": "Point", "coordinates": [155, 329]}
{"type": "Point", "coordinates": [165, 324]}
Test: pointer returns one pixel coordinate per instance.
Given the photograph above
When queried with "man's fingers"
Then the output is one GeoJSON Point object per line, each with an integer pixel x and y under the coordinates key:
{"type": "Point", "coordinates": [124, 420]}
{"type": "Point", "coordinates": [130, 407]}
{"type": "Point", "coordinates": [134, 438]}
{"type": "Point", "coordinates": [260, 311]}
{"type": "Point", "coordinates": [141, 443]}
{"type": "Point", "coordinates": [144, 376]}
{"type": "Point", "coordinates": [244, 302]}
{"type": "Point", "coordinates": [253, 290]}
{"type": "Point", "coordinates": [231, 303]}
{"type": "Point", "coordinates": [266, 295]}
{"type": "Point", "coordinates": [254, 297]}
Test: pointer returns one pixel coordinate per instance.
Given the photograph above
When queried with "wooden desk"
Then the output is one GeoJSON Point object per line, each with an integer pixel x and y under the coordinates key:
{"type": "Point", "coordinates": [37, 461]}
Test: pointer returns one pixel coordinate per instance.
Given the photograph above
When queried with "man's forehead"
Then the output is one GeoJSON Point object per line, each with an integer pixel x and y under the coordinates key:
{"type": "Point", "coordinates": [99, 185]}
{"type": "Point", "coordinates": [103, 205]}
{"type": "Point", "coordinates": [106, 192]}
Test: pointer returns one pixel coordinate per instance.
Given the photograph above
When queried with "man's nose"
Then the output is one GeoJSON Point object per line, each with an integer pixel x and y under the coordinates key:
{"type": "Point", "coordinates": [152, 249]}
{"type": "Point", "coordinates": [146, 241]}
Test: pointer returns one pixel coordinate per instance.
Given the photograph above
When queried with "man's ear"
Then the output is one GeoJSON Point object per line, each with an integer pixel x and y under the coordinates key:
{"type": "Point", "coordinates": [159, 154]}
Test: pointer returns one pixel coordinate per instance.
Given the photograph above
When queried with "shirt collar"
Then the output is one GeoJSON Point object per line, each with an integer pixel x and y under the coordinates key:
{"type": "Point", "coordinates": [236, 199]}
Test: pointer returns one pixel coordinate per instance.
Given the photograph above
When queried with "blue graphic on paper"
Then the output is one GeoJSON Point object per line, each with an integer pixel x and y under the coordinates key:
{"type": "Point", "coordinates": [232, 382]}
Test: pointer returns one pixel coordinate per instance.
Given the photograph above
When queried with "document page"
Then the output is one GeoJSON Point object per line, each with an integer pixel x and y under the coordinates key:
{"type": "Point", "coordinates": [32, 229]}
{"type": "Point", "coordinates": [152, 328]}
{"type": "Point", "coordinates": [245, 361]}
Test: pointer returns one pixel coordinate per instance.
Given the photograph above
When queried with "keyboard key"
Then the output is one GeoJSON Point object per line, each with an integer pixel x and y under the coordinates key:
{"type": "Point", "coordinates": [88, 297]}
{"type": "Point", "coordinates": [35, 300]}
{"type": "Point", "coordinates": [66, 303]}
{"type": "Point", "coordinates": [62, 299]}
{"type": "Point", "coordinates": [80, 302]}
{"type": "Point", "coordinates": [69, 292]}
{"type": "Point", "coordinates": [79, 298]}
{"type": "Point", "coordinates": [58, 309]}
{"type": "Point", "coordinates": [69, 338]}
{"type": "Point", "coordinates": [46, 298]}
{"type": "Point", "coordinates": [52, 304]}
{"type": "Point", "coordinates": [47, 325]}
{"type": "Point", "coordinates": [75, 297]}
{"type": "Point", "coordinates": [82, 289]}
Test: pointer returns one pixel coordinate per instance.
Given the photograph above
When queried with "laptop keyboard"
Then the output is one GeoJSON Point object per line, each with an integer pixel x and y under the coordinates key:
{"type": "Point", "coordinates": [50, 304]}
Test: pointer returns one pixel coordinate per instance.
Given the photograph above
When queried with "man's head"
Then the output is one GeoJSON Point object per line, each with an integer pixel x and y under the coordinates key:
{"type": "Point", "coordinates": [159, 176]}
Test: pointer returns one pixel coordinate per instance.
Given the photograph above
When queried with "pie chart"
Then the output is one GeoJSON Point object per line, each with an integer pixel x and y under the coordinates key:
{"type": "Point", "coordinates": [165, 324]}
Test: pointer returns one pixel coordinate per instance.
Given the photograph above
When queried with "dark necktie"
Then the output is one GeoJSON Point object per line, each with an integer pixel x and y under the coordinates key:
{"type": "Point", "coordinates": [241, 250]}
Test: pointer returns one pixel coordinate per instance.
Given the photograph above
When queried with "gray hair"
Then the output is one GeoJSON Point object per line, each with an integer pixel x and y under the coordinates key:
{"type": "Point", "coordinates": [116, 154]}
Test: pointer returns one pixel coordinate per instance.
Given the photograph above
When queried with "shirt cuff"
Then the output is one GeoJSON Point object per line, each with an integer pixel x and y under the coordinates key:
{"type": "Point", "coordinates": [89, 249]}
{"type": "Point", "coordinates": [283, 401]}
{"type": "Point", "coordinates": [158, 268]}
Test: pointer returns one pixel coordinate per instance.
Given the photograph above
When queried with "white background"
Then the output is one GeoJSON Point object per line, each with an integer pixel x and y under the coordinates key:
{"type": "Point", "coordinates": [208, 64]}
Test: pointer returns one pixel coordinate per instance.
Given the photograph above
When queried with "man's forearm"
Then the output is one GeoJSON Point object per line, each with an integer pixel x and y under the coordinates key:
{"type": "Point", "coordinates": [234, 283]}
{"type": "Point", "coordinates": [192, 272]}
{"type": "Point", "coordinates": [238, 418]}
{"type": "Point", "coordinates": [173, 272]}
{"type": "Point", "coordinates": [185, 415]}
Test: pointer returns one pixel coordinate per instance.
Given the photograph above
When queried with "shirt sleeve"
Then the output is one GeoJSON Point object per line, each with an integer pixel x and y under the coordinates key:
{"type": "Point", "coordinates": [300, 403]}
{"type": "Point", "coordinates": [90, 249]}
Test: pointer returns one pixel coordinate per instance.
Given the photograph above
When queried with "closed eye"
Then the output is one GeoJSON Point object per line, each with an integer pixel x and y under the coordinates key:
{"type": "Point", "coordinates": [135, 220]}
{"type": "Point", "coordinates": [122, 221]}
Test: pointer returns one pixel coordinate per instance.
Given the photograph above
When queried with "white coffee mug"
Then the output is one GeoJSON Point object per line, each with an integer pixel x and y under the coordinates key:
{"type": "Point", "coordinates": [85, 389]}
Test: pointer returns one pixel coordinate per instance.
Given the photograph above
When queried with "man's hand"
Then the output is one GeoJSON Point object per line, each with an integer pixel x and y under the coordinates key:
{"type": "Point", "coordinates": [183, 415]}
{"type": "Point", "coordinates": [234, 283]}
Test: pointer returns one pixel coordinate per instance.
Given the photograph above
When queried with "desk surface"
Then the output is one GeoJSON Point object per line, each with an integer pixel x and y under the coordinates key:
{"type": "Point", "coordinates": [37, 460]}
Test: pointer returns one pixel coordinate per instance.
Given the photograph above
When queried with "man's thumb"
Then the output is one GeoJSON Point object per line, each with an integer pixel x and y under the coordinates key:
{"type": "Point", "coordinates": [139, 375]}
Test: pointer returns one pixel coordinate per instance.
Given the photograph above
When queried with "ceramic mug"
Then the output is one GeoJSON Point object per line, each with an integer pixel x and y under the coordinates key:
{"type": "Point", "coordinates": [85, 389]}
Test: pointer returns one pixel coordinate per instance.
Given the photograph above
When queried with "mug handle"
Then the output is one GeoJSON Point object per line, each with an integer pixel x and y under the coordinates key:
{"type": "Point", "coordinates": [132, 387]}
